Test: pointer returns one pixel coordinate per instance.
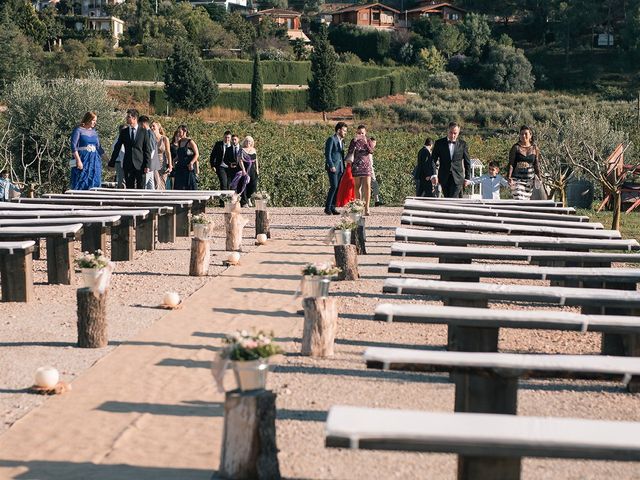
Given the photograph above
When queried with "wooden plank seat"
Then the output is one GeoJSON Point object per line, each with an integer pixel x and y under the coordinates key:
{"type": "Point", "coordinates": [122, 235]}
{"type": "Point", "coordinates": [211, 193]}
{"type": "Point", "coordinates": [591, 300]}
{"type": "Point", "coordinates": [487, 201]}
{"type": "Point", "coordinates": [164, 214]}
{"type": "Point", "coordinates": [489, 446]}
{"type": "Point", "coordinates": [94, 229]}
{"type": "Point", "coordinates": [522, 208]}
{"type": "Point", "coordinates": [508, 228]}
{"type": "Point", "coordinates": [505, 211]}
{"type": "Point", "coordinates": [59, 247]}
{"type": "Point", "coordinates": [198, 206]}
{"type": "Point", "coordinates": [487, 382]}
{"type": "Point", "coordinates": [515, 220]}
{"type": "Point", "coordinates": [519, 241]}
{"type": "Point", "coordinates": [16, 271]}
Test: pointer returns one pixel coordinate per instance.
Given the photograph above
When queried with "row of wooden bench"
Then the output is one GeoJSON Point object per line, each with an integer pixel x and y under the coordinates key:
{"type": "Point", "coordinates": [489, 443]}
{"type": "Point", "coordinates": [62, 219]}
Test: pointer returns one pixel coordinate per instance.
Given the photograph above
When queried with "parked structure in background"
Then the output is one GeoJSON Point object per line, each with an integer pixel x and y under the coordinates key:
{"type": "Point", "coordinates": [446, 11]}
{"type": "Point", "coordinates": [374, 15]}
{"type": "Point", "coordinates": [288, 18]}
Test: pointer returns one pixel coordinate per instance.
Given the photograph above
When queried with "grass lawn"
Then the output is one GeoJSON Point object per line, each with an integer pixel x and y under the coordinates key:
{"type": "Point", "coordinates": [629, 223]}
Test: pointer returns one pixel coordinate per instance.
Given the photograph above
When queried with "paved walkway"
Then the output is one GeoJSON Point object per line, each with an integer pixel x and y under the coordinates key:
{"type": "Point", "coordinates": [149, 410]}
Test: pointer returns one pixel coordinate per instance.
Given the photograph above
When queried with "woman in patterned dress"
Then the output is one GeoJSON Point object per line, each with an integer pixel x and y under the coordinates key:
{"type": "Point", "coordinates": [524, 165]}
{"type": "Point", "coordinates": [361, 149]}
{"type": "Point", "coordinates": [86, 165]}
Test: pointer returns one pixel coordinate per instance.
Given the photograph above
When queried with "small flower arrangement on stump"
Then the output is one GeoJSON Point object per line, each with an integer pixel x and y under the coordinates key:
{"type": "Point", "coordinates": [96, 270]}
{"type": "Point", "coordinates": [355, 206]}
{"type": "Point", "coordinates": [228, 197]}
{"type": "Point", "coordinates": [95, 260]}
{"type": "Point", "coordinates": [346, 223]}
{"type": "Point", "coordinates": [200, 219]}
{"type": "Point", "coordinates": [320, 270]}
{"type": "Point", "coordinates": [261, 195]}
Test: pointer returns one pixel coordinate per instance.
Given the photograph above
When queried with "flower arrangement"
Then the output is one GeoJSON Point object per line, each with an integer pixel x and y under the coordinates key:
{"type": "Point", "coordinates": [95, 260]}
{"type": "Point", "coordinates": [245, 346]}
{"type": "Point", "coordinates": [355, 206]}
{"type": "Point", "coordinates": [261, 195]}
{"type": "Point", "coordinates": [321, 269]}
{"type": "Point", "coordinates": [346, 223]}
{"type": "Point", "coordinates": [200, 219]}
{"type": "Point", "coordinates": [226, 197]}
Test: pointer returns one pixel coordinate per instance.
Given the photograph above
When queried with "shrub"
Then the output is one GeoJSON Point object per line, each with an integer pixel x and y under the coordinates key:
{"type": "Point", "coordinates": [368, 44]}
{"type": "Point", "coordinates": [257, 93]}
{"type": "Point", "coordinates": [323, 83]}
{"type": "Point", "coordinates": [431, 60]}
{"type": "Point", "coordinates": [349, 58]}
{"type": "Point", "coordinates": [507, 69]}
{"type": "Point", "coordinates": [443, 80]}
{"type": "Point", "coordinates": [275, 54]}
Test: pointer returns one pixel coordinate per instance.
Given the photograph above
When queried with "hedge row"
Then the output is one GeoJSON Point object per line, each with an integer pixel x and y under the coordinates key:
{"type": "Point", "coordinates": [232, 71]}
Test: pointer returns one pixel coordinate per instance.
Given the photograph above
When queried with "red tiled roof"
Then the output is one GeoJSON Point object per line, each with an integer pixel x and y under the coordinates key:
{"type": "Point", "coordinates": [435, 8]}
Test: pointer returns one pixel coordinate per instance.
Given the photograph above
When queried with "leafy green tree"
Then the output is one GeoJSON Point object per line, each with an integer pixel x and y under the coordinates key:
{"type": "Point", "coordinates": [15, 55]}
{"type": "Point", "coordinates": [257, 92]}
{"type": "Point", "coordinates": [187, 82]}
{"type": "Point", "coordinates": [53, 26]}
{"type": "Point", "coordinates": [477, 33]}
{"type": "Point", "coordinates": [72, 61]}
{"type": "Point", "coordinates": [448, 39]}
{"type": "Point", "coordinates": [244, 30]}
{"type": "Point", "coordinates": [507, 69]}
{"type": "Point", "coordinates": [431, 60]}
{"type": "Point", "coordinates": [22, 14]}
{"type": "Point", "coordinates": [323, 86]}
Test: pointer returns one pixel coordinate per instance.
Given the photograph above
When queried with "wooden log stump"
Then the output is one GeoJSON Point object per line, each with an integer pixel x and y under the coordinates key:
{"type": "Point", "coordinates": [262, 223]}
{"type": "Point", "coordinates": [347, 260]}
{"type": "Point", "coordinates": [320, 325]}
{"type": "Point", "coordinates": [358, 237]}
{"type": "Point", "coordinates": [146, 233]}
{"type": "Point", "coordinates": [200, 256]}
{"type": "Point", "coordinates": [473, 467]}
{"type": "Point", "coordinates": [167, 228]}
{"type": "Point", "coordinates": [92, 319]}
{"type": "Point", "coordinates": [234, 223]}
{"type": "Point", "coordinates": [59, 260]}
{"type": "Point", "coordinates": [249, 439]}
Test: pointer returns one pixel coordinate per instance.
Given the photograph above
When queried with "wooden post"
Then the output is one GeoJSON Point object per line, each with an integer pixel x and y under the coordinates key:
{"type": "Point", "coordinates": [183, 224]}
{"type": "Point", "coordinates": [503, 468]}
{"type": "Point", "coordinates": [320, 325]}
{"type": "Point", "coordinates": [249, 439]}
{"type": "Point", "coordinates": [92, 319]}
{"type": "Point", "coordinates": [59, 253]}
{"type": "Point", "coordinates": [16, 272]}
{"type": "Point", "coordinates": [358, 237]}
{"type": "Point", "coordinates": [200, 255]}
{"type": "Point", "coordinates": [234, 223]}
{"type": "Point", "coordinates": [485, 392]}
{"type": "Point", "coordinates": [94, 238]}
{"type": "Point", "coordinates": [167, 228]}
{"type": "Point", "coordinates": [36, 249]}
{"type": "Point", "coordinates": [347, 260]}
{"type": "Point", "coordinates": [145, 233]}
{"type": "Point", "coordinates": [122, 241]}
{"type": "Point", "coordinates": [262, 223]}
{"type": "Point", "coordinates": [616, 343]}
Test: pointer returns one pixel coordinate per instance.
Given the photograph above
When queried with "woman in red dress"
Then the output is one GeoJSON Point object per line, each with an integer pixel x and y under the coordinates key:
{"type": "Point", "coordinates": [346, 189]}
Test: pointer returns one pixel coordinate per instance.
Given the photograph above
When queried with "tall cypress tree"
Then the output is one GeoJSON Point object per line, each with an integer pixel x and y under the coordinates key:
{"type": "Point", "coordinates": [323, 86]}
{"type": "Point", "coordinates": [257, 92]}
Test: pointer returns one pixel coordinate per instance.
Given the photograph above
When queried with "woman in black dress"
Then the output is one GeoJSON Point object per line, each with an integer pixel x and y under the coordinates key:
{"type": "Point", "coordinates": [245, 182]}
{"type": "Point", "coordinates": [524, 165]}
{"type": "Point", "coordinates": [185, 165]}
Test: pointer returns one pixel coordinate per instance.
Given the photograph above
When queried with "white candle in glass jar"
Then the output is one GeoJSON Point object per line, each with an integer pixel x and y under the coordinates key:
{"type": "Point", "coordinates": [47, 377]}
{"type": "Point", "coordinates": [171, 299]}
{"type": "Point", "coordinates": [234, 257]}
{"type": "Point", "coordinates": [261, 238]}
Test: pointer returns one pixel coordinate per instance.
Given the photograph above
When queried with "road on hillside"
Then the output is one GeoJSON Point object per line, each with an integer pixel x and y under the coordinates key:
{"type": "Point", "coordinates": [223, 86]}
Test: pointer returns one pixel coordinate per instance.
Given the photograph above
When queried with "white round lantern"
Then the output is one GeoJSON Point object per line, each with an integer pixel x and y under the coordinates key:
{"type": "Point", "coordinates": [261, 238]}
{"type": "Point", "coordinates": [47, 377]}
{"type": "Point", "coordinates": [171, 299]}
{"type": "Point", "coordinates": [234, 257]}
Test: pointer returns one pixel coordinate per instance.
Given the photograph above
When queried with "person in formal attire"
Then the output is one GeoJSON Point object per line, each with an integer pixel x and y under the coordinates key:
{"type": "Point", "coordinates": [221, 152]}
{"type": "Point", "coordinates": [154, 161]}
{"type": "Point", "coordinates": [491, 182]}
{"type": "Point", "coordinates": [360, 150]}
{"type": "Point", "coordinates": [451, 156]}
{"type": "Point", "coordinates": [425, 169]}
{"type": "Point", "coordinates": [334, 165]}
{"type": "Point", "coordinates": [87, 152]}
{"type": "Point", "coordinates": [185, 165]}
{"type": "Point", "coordinates": [163, 153]}
{"type": "Point", "coordinates": [137, 151]}
{"type": "Point", "coordinates": [524, 165]}
{"type": "Point", "coordinates": [246, 180]}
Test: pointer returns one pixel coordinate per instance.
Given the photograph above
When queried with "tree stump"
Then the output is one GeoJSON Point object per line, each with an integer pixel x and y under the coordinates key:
{"type": "Point", "coordinates": [249, 439]}
{"type": "Point", "coordinates": [320, 325]}
{"type": "Point", "coordinates": [262, 223]}
{"type": "Point", "coordinates": [200, 256]}
{"type": "Point", "coordinates": [347, 260]}
{"type": "Point", "coordinates": [92, 319]}
{"type": "Point", "coordinates": [234, 223]}
{"type": "Point", "coordinates": [358, 237]}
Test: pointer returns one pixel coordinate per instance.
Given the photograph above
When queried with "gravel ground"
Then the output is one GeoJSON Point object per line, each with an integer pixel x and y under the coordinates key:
{"type": "Point", "coordinates": [43, 332]}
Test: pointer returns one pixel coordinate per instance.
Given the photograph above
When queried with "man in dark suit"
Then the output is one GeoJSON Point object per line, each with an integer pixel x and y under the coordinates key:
{"type": "Point", "coordinates": [452, 156]}
{"type": "Point", "coordinates": [137, 151]}
{"type": "Point", "coordinates": [334, 165]}
{"type": "Point", "coordinates": [425, 169]}
{"type": "Point", "coordinates": [220, 160]}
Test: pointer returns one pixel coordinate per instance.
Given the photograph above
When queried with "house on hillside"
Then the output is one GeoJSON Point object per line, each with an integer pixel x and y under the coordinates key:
{"type": "Point", "coordinates": [372, 15]}
{"type": "Point", "coordinates": [288, 18]}
{"type": "Point", "coordinates": [228, 5]}
{"type": "Point", "coordinates": [326, 11]}
{"type": "Point", "coordinates": [446, 11]}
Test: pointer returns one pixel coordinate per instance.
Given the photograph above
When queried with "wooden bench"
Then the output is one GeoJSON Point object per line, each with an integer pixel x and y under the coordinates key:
{"type": "Point", "coordinates": [165, 216]}
{"type": "Point", "coordinates": [493, 212]}
{"type": "Point", "coordinates": [199, 200]}
{"type": "Point", "coordinates": [519, 241]}
{"type": "Point", "coordinates": [487, 201]}
{"type": "Point", "coordinates": [508, 228]}
{"type": "Point", "coordinates": [59, 247]}
{"type": "Point", "coordinates": [94, 229]}
{"type": "Point", "coordinates": [546, 257]}
{"type": "Point", "coordinates": [16, 271]}
{"type": "Point", "coordinates": [525, 208]}
{"type": "Point", "coordinates": [487, 382]}
{"type": "Point", "coordinates": [489, 446]}
{"type": "Point", "coordinates": [502, 219]}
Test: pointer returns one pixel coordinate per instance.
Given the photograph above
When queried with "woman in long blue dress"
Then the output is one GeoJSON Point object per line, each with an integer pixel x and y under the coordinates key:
{"type": "Point", "coordinates": [87, 154]}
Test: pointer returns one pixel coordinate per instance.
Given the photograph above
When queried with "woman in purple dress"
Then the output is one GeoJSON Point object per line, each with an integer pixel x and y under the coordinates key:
{"type": "Point", "coordinates": [360, 150]}
{"type": "Point", "coordinates": [86, 165]}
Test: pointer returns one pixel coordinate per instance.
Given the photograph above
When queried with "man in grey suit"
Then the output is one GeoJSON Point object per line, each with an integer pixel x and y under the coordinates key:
{"type": "Point", "coordinates": [334, 165]}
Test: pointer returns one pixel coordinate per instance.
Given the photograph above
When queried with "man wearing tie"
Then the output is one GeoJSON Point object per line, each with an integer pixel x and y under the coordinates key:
{"type": "Point", "coordinates": [334, 165]}
{"type": "Point", "coordinates": [220, 154]}
{"type": "Point", "coordinates": [452, 155]}
{"type": "Point", "coordinates": [137, 151]}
